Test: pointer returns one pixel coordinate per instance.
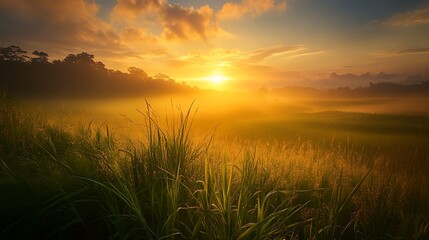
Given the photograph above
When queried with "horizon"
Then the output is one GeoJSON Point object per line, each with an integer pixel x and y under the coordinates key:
{"type": "Point", "coordinates": [86, 75]}
{"type": "Point", "coordinates": [237, 45]}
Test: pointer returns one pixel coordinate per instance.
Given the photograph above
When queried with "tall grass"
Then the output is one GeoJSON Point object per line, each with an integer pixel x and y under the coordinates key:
{"type": "Point", "coordinates": [172, 184]}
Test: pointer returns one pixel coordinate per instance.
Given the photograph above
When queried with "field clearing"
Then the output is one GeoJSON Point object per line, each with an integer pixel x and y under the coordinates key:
{"type": "Point", "coordinates": [290, 175]}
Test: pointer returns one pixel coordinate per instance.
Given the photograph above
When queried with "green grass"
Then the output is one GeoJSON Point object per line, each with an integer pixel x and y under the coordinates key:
{"type": "Point", "coordinates": [400, 138]}
{"type": "Point", "coordinates": [86, 182]}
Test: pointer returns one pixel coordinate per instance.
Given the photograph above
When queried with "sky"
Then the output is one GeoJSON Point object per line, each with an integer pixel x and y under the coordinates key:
{"type": "Point", "coordinates": [236, 45]}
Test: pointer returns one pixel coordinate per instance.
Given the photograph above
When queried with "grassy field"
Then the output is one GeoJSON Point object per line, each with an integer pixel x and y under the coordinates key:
{"type": "Point", "coordinates": [322, 175]}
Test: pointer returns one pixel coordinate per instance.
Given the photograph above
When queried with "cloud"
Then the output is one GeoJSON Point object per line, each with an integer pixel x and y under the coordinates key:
{"type": "Point", "coordinates": [177, 22]}
{"type": "Point", "coordinates": [72, 26]}
{"type": "Point", "coordinates": [188, 23]}
{"type": "Point", "coordinates": [76, 22]}
{"type": "Point", "coordinates": [128, 10]}
{"type": "Point", "coordinates": [417, 17]}
{"type": "Point", "coordinates": [402, 52]}
{"type": "Point", "coordinates": [183, 23]}
{"type": "Point", "coordinates": [221, 58]}
{"type": "Point", "coordinates": [414, 50]}
{"type": "Point", "coordinates": [233, 57]}
{"type": "Point", "coordinates": [254, 8]}
{"type": "Point", "coordinates": [264, 53]}
{"type": "Point", "coordinates": [137, 35]}
{"type": "Point", "coordinates": [306, 54]}
{"type": "Point", "coordinates": [284, 52]}
{"type": "Point", "coordinates": [68, 22]}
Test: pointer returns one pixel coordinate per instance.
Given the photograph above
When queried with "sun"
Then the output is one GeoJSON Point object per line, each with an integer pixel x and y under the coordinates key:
{"type": "Point", "coordinates": [217, 79]}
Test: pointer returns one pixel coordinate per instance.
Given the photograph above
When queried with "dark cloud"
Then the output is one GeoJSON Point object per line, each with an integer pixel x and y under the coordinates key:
{"type": "Point", "coordinates": [186, 23]}
{"type": "Point", "coordinates": [69, 26]}
{"type": "Point", "coordinates": [68, 22]}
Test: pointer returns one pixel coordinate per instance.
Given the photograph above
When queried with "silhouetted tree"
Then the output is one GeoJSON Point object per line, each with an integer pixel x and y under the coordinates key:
{"type": "Point", "coordinates": [71, 58]}
{"type": "Point", "coordinates": [162, 76]}
{"type": "Point", "coordinates": [13, 53]}
{"type": "Point", "coordinates": [137, 72]}
{"type": "Point", "coordinates": [100, 66]}
{"type": "Point", "coordinates": [85, 58]}
{"type": "Point", "coordinates": [81, 58]}
{"type": "Point", "coordinates": [42, 57]}
{"type": "Point", "coordinates": [77, 75]}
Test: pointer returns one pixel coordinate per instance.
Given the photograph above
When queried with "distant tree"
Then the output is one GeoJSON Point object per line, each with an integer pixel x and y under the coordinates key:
{"type": "Point", "coordinates": [85, 58]}
{"type": "Point", "coordinates": [137, 72]}
{"type": "Point", "coordinates": [100, 66]}
{"type": "Point", "coordinates": [81, 76]}
{"type": "Point", "coordinates": [13, 53]}
{"type": "Point", "coordinates": [162, 76]}
{"type": "Point", "coordinates": [42, 57]}
{"type": "Point", "coordinates": [81, 58]}
{"type": "Point", "coordinates": [71, 58]}
{"type": "Point", "coordinates": [111, 71]}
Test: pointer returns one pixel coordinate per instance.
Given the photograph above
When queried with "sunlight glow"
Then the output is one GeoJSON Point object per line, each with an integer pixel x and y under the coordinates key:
{"type": "Point", "coordinates": [216, 79]}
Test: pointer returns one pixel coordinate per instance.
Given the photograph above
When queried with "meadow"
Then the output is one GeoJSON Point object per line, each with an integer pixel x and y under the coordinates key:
{"type": "Point", "coordinates": [252, 171]}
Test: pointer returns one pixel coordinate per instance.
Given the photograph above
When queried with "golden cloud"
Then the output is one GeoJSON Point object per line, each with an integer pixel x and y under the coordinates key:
{"type": "Point", "coordinates": [229, 58]}
{"type": "Point", "coordinates": [264, 53]}
{"type": "Point", "coordinates": [417, 17]}
{"type": "Point", "coordinates": [177, 22]}
{"type": "Point", "coordinates": [232, 10]}
{"type": "Point", "coordinates": [214, 58]}
{"type": "Point", "coordinates": [184, 23]}
{"type": "Point", "coordinates": [128, 10]}
{"type": "Point", "coordinates": [137, 35]}
{"type": "Point", "coordinates": [407, 51]}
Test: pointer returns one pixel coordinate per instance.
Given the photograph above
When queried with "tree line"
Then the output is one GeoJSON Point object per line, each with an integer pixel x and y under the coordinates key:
{"type": "Point", "coordinates": [76, 76]}
{"type": "Point", "coordinates": [383, 89]}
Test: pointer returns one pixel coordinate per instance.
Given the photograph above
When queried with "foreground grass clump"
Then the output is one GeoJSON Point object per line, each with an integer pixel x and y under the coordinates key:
{"type": "Point", "coordinates": [88, 184]}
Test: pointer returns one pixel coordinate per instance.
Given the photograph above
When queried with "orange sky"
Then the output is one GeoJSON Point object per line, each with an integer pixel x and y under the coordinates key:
{"type": "Point", "coordinates": [243, 44]}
